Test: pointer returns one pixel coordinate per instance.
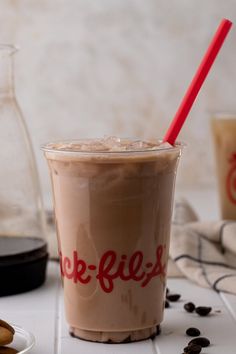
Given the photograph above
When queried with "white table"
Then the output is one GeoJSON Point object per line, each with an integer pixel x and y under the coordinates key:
{"type": "Point", "coordinates": [41, 312]}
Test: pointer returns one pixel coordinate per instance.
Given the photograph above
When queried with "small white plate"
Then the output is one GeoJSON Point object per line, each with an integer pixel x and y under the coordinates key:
{"type": "Point", "coordinates": [23, 341]}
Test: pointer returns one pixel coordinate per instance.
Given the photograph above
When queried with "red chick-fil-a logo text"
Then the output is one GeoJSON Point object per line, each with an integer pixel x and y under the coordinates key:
{"type": "Point", "coordinates": [112, 267]}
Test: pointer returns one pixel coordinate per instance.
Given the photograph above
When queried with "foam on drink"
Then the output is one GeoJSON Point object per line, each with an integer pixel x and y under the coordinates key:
{"type": "Point", "coordinates": [106, 144]}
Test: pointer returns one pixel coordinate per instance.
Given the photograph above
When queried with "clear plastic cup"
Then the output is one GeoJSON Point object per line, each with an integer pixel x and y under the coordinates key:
{"type": "Point", "coordinates": [113, 215]}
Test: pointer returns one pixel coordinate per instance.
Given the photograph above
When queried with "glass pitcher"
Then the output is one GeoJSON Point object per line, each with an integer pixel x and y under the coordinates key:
{"type": "Point", "coordinates": [21, 208]}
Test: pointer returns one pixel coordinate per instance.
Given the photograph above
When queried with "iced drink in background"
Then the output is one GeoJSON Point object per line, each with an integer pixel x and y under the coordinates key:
{"type": "Point", "coordinates": [113, 203]}
{"type": "Point", "coordinates": [224, 135]}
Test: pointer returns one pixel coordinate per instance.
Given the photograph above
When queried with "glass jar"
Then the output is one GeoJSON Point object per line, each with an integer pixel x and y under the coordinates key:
{"type": "Point", "coordinates": [21, 207]}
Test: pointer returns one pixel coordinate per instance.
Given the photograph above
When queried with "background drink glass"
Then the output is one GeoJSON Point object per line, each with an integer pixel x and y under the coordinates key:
{"type": "Point", "coordinates": [113, 214]}
{"type": "Point", "coordinates": [224, 136]}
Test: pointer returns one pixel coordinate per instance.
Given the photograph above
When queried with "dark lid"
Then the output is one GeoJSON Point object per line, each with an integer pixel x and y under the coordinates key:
{"type": "Point", "coordinates": [21, 249]}
{"type": "Point", "coordinates": [22, 264]}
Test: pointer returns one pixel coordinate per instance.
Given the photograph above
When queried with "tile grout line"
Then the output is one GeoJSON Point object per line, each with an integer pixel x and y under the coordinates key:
{"type": "Point", "coordinates": [155, 349]}
{"type": "Point", "coordinates": [57, 317]}
{"type": "Point", "coordinates": [228, 306]}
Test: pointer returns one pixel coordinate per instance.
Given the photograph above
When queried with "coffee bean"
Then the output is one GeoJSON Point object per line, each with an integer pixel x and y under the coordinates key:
{"type": "Point", "coordinates": [193, 332]}
{"type": "Point", "coordinates": [167, 304]}
{"type": "Point", "coordinates": [193, 349]}
{"type": "Point", "coordinates": [203, 310]}
{"type": "Point", "coordinates": [173, 297]}
{"type": "Point", "coordinates": [158, 330]}
{"type": "Point", "coordinates": [202, 341]}
{"type": "Point", "coordinates": [189, 307]}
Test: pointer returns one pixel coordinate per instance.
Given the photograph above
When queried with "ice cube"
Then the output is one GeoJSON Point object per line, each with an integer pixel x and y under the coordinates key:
{"type": "Point", "coordinates": [112, 143]}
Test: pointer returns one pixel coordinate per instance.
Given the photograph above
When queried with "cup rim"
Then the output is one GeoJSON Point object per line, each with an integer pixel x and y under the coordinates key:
{"type": "Point", "coordinates": [50, 147]}
{"type": "Point", "coordinates": [223, 115]}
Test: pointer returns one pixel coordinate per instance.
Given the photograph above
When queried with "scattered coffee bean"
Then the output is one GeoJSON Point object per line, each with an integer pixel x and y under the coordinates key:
{"type": "Point", "coordinates": [193, 332]}
{"type": "Point", "coordinates": [202, 341]}
{"type": "Point", "coordinates": [203, 310]}
{"type": "Point", "coordinates": [173, 297]}
{"type": "Point", "coordinates": [167, 304]}
{"type": "Point", "coordinates": [193, 349]}
{"type": "Point", "coordinates": [189, 307]}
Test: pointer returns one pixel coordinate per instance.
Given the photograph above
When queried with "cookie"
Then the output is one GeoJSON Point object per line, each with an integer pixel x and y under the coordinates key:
{"type": "Point", "coordinates": [7, 326]}
{"type": "Point", "coordinates": [8, 350]}
{"type": "Point", "coordinates": [6, 336]}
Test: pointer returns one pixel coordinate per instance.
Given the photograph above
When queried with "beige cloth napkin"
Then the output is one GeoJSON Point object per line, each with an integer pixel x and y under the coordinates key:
{"type": "Point", "coordinates": [204, 252]}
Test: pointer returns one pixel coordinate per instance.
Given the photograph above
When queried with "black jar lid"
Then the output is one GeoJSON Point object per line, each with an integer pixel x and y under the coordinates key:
{"type": "Point", "coordinates": [22, 264]}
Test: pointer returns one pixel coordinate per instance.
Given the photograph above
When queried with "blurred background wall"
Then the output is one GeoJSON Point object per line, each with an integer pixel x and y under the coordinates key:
{"type": "Point", "coordinates": [90, 68]}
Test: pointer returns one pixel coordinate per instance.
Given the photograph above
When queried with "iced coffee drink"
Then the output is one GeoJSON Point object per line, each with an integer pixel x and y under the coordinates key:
{"type": "Point", "coordinates": [113, 203]}
{"type": "Point", "coordinates": [224, 134]}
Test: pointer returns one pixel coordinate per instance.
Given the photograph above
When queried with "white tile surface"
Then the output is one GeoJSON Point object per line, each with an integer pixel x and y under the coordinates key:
{"type": "Point", "coordinates": [218, 327]}
{"type": "Point", "coordinates": [47, 321]}
{"type": "Point", "coordinates": [75, 346]}
{"type": "Point", "coordinates": [36, 311]}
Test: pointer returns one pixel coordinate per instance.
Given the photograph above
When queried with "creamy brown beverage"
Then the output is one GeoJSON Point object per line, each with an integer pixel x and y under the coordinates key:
{"type": "Point", "coordinates": [224, 134]}
{"type": "Point", "coordinates": [113, 204]}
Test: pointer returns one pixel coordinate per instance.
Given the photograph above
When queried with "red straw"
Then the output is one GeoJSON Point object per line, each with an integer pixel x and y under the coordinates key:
{"type": "Point", "coordinates": [197, 81]}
